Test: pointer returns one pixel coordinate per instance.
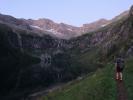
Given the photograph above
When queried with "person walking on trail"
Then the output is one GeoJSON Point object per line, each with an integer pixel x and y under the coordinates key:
{"type": "Point", "coordinates": [119, 65]}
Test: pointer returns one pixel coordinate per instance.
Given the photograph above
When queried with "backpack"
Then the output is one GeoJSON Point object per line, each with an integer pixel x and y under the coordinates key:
{"type": "Point", "coordinates": [120, 63]}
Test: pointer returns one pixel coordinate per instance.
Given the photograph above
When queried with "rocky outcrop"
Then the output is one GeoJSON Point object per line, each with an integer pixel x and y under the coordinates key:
{"type": "Point", "coordinates": [131, 11]}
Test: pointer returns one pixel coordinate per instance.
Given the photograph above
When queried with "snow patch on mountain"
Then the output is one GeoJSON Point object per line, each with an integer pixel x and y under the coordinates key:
{"type": "Point", "coordinates": [103, 25]}
{"type": "Point", "coordinates": [54, 32]}
{"type": "Point", "coordinates": [69, 29]}
{"type": "Point", "coordinates": [37, 27]}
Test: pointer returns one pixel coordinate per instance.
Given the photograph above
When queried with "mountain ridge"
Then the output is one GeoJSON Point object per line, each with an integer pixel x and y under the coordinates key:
{"type": "Point", "coordinates": [59, 30]}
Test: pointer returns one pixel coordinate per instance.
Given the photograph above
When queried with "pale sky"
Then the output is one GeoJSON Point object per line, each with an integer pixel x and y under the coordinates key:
{"type": "Point", "coordinates": [73, 12]}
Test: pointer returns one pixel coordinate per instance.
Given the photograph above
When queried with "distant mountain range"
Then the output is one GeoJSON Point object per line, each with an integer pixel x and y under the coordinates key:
{"type": "Point", "coordinates": [60, 30]}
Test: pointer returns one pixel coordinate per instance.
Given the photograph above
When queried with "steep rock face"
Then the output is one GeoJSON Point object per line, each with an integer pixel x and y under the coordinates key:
{"type": "Point", "coordinates": [12, 60]}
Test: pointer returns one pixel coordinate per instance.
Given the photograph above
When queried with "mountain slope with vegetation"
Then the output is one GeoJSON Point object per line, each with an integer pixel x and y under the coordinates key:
{"type": "Point", "coordinates": [105, 43]}
{"type": "Point", "coordinates": [128, 73]}
{"type": "Point", "coordinates": [98, 86]}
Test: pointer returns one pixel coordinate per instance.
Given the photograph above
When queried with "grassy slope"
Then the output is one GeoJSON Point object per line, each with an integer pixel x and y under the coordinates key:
{"type": "Point", "coordinates": [128, 77]}
{"type": "Point", "coordinates": [99, 86]}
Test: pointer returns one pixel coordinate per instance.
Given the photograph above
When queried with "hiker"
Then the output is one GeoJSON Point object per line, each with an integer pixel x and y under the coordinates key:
{"type": "Point", "coordinates": [119, 65]}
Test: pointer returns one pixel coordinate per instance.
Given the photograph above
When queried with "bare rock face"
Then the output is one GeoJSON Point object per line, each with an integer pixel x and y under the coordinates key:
{"type": "Point", "coordinates": [131, 11]}
{"type": "Point", "coordinates": [60, 30]}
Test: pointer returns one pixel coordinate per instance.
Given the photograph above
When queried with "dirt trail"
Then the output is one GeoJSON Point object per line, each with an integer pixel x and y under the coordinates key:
{"type": "Point", "coordinates": [121, 91]}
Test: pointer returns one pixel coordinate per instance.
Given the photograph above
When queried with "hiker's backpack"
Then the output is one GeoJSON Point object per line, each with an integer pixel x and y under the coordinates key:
{"type": "Point", "coordinates": [120, 63]}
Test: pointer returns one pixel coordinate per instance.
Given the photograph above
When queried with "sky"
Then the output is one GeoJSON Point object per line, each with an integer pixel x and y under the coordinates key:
{"type": "Point", "coordinates": [73, 12]}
